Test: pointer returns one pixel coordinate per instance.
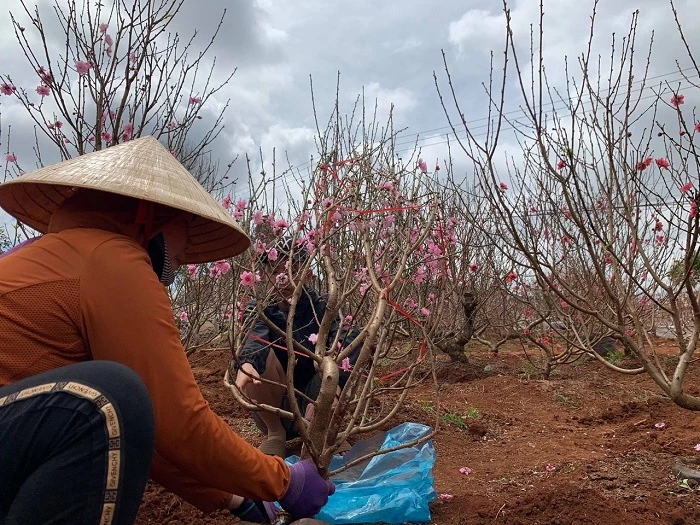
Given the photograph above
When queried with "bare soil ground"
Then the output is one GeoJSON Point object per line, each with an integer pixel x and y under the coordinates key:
{"type": "Point", "coordinates": [609, 463]}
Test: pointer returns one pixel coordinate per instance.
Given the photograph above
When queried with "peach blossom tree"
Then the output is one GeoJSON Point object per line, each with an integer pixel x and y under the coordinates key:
{"type": "Point", "coordinates": [113, 73]}
{"type": "Point", "coordinates": [374, 240]}
{"type": "Point", "coordinates": [601, 202]}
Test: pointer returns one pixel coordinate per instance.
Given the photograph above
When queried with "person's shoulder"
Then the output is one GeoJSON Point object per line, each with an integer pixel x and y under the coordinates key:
{"type": "Point", "coordinates": [114, 254]}
{"type": "Point", "coordinates": [89, 240]}
{"type": "Point", "coordinates": [68, 254]}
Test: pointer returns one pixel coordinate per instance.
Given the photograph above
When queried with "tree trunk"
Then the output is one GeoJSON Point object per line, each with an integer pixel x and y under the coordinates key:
{"type": "Point", "coordinates": [454, 345]}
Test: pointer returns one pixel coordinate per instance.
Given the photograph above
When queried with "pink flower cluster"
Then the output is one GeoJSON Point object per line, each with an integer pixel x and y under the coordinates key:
{"type": "Point", "coordinates": [219, 269]}
{"type": "Point", "coordinates": [248, 279]}
{"type": "Point", "coordinates": [7, 89]}
{"type": "Point", "coordinates": [127, 132]}
{"type": "Point", "coordinates": [661, 162]}
{"type": "Point", "coordinates": [345, 365]}
{"type": "Point", "coordinates": [82, 67]}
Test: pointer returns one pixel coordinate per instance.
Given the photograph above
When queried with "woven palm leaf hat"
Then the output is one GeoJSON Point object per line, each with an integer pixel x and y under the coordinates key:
{"type": "Point", "coordinates": [142, 169]}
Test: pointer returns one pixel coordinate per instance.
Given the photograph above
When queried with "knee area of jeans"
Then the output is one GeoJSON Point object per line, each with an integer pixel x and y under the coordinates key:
{"type": "Point", "coordinates": [122, 376]}
{"type": "Point", "coordinates": [125, 387]}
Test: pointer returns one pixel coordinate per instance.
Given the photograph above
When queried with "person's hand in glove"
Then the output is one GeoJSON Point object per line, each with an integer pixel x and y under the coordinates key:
{"type": "Point", "coordinates": [307, 491]}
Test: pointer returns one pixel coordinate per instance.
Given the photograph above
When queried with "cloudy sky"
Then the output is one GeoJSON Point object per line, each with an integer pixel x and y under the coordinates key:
{"type": "Point", "coordinates": [390, 49]}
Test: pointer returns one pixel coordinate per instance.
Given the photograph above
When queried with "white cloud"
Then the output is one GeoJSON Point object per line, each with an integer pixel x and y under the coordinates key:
{"type": "Point", "coordinates": [403, 100]}
{"type": "Point", "coordinates": [287, 138]}
{"type": "Point", "coordinates": [477, 26]}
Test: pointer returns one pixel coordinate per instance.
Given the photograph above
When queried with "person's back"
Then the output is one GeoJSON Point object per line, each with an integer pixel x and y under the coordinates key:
{"type": "Point", "coordinates": [42, 325]}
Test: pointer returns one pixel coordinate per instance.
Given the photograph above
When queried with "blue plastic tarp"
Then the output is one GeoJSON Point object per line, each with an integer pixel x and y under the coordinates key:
{"type": "Point", "coordinates": [395, 487]}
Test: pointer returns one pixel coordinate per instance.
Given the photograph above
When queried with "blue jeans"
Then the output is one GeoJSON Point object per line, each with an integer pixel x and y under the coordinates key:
{"type": "Point", "coordinates": [75, 446]}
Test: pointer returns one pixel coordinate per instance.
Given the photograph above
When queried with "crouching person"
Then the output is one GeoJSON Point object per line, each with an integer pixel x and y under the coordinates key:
{"type": "Point", "coordinates": [264, 353]}
{"type": "Point", "coordinates": [96, 393]}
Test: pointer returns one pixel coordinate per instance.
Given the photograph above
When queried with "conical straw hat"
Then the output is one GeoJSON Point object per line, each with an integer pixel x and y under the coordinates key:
{"type": "Point", "coordinates": [142, 169]}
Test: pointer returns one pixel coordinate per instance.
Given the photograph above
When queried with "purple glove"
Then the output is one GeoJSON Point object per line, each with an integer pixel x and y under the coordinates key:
{"type": "Point", "coordinates": [307, 491]}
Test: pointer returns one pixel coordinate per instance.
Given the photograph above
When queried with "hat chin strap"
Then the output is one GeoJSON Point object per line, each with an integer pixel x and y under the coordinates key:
{"type": "Point", "coordinates": [145, 215]}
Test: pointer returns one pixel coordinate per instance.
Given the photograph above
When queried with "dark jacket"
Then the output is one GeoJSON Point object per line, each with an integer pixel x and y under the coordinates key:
{"type": "Point", "coordinates": [308, 315]}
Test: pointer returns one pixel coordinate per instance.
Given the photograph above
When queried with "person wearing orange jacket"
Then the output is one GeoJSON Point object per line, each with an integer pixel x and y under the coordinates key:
{"type": "Point", "coordinates": [96, 393]}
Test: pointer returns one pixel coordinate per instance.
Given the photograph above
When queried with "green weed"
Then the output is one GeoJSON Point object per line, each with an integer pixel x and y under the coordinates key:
{"type": "Point", "coordinates": [453, 418]}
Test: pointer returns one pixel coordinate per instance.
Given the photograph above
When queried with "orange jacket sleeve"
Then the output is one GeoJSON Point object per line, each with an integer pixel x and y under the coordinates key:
{"type": "Point", "coordinates": [127, 318]}
{"type": "Point", "coordinates": [204, 498]}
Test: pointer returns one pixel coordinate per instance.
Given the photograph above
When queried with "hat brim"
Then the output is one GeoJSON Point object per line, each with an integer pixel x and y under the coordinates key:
{"type": "Point", "coordinates": [141, 169]}
{"type": "Point", "coordinates": [34, 204]}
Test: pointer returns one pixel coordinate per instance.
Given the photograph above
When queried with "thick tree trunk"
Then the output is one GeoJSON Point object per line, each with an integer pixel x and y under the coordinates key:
{"type": "Point", "coordinates": [453, 345]}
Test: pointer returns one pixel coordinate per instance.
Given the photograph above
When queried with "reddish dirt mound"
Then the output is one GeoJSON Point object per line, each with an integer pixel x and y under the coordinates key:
{"type": "Point", "coordinates": [608, 463]}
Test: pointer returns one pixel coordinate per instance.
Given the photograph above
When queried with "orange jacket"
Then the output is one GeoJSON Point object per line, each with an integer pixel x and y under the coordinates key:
{"type": "Point", "coordinates": [85, 291]}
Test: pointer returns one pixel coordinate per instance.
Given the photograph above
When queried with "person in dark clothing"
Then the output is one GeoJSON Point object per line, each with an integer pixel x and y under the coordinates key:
{"type": "Point", "coordinates": [264, 353]}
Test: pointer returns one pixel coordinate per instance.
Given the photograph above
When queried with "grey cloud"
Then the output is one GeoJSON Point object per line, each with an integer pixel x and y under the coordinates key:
{"type": "Point", "coordinates": [389, 48]}
{"type": "Point", "coordinates": [246, 38]}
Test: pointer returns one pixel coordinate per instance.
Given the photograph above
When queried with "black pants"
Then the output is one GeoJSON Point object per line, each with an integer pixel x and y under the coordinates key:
{"type": "Point", "coordinates": [75, 446]}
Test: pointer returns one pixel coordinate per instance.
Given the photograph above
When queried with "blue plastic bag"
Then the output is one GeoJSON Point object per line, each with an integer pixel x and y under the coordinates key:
{"type": "Point", "coordinates": [395, 487]}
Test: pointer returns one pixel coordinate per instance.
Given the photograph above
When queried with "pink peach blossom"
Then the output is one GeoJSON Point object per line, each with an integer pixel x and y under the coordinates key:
{"type": "Point", "coordinates": [662, 163]}
{"type": "Point", "coordinates": [7, 89]}
{"type": "Point", "coordinates": [82, 67]}
{"type": "Point", "coordinates": [223, 266]}
{"type": "Point", "coordinates": [280, 224]}
{"type": "Point", "coordinates": [258, 217]}
{"type": "Point", "coordinates": [345, 365]}
{"type": "Point", "coordinates": [249, 279]}
{"type": "Point", "coordinates": [677, 100]}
